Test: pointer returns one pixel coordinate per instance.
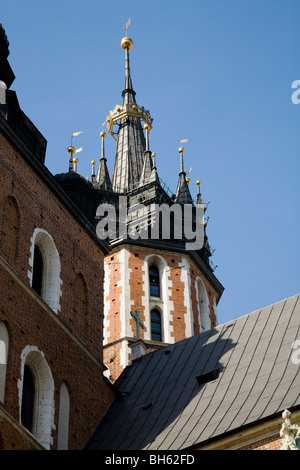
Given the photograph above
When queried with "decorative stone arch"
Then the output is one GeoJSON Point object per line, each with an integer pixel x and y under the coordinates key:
{"type": "Point", "coordinates": [51, 281]}
{"type": "Point", "coordinates": [203, 304]}
{"type": "Point", "coordinates": [43, 405]}
{"type": "Point", "coordinates": [4, 343]}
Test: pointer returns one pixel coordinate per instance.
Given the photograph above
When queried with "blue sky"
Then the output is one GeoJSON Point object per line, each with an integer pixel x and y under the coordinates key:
{"type": "Point", "coordinates": [218, 73]}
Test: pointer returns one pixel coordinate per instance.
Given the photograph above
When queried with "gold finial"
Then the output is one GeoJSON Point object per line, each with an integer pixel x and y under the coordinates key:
{"type": "Point", "coordinates": [71, 150]}
{"type": "Point", "coordinates": [154, 157]}
{"type": "Point", "coordinates": [93, 163]}
{"type": "Point", "coordinates": [147, 129]}
{"type": "Point", "coordinates": [126, 42]}
{"type": "Point", "coordinates": [102, 134]}
{"type": "Point", "coordinates": [181, 150]}
{"type": "Point", "coordinates": [188, 180]}
{"type": "Point", "coordinates": [198, 182]}
{"type": "Point", "coordinates": [75, 161]}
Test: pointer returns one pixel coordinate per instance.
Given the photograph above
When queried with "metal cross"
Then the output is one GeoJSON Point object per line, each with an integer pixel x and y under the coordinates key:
{"type": "Point", "coordinates": [138, 321]}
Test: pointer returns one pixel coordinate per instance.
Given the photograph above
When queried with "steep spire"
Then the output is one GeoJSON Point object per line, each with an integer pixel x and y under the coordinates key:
{"type": "Point", "coordinates": [131, 143]}
{"type": "Point", "coordinates": [128, 93]}
{"type": "Point", "coordinates": [183, 195]}
{"type": "Point", "coordinates": [102, 177]}
{"type": "Point", "coordinates": [199, 197]}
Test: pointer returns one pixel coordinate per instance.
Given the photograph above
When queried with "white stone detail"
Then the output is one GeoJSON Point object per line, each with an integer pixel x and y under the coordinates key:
{"type": "Point", "coordinates": [51, 286]}
{"type": "Point", "coordinates": [43, 415]}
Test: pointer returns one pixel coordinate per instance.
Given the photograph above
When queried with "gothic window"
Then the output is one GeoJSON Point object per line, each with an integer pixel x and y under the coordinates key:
{"type": "Point", "coordinates": [38, 266]}
{"type": "Point", "coordinates": [45, 274]}
{"type": "Point", "coordinates": [28, 399]}
{"type": "Point", "coordinates": [36, 395]}
{"type": "Point", "coordinates": [156, 330]}
{"type": "Point", "coordinates": [154, 281]}
{"type": "Point", "coordinates": [4, 339]}
{"type": "Point", "coordinates": [63, 418]}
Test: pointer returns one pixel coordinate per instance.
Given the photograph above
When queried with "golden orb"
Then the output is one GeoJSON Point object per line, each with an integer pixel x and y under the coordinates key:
{"type": "Point", "coordinates": [71, 149]}
{"type": "Point", "coordinates": [93, 162]}
{"type": "Point", "coordinates": [198, 182]}
{"type": "Point", "coordinates": [146, 127]}
{"type": "Point", "coordinates": [102, 134]}
{"type": "Point", "coordinates": [75, 160]}
{"type": "Point", "coordinates": [126, 42]}
{"type": "Point", "coordinates": [181, 150]}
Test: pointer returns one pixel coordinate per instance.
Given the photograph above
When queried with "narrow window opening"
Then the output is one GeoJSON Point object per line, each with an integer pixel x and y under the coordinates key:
{"type": "Point", "coordinates": [28, 399]}
{"type": "Point", "coordinates": [156, 333]}
{"type": "Point", "coordinates": [154, 282]}
{"type": "Point", "coordinates": [38, 267]}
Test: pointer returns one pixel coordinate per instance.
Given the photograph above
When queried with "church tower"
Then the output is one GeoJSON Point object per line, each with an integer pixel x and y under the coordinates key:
{"type": "Point", "coordinates": [157, 291]}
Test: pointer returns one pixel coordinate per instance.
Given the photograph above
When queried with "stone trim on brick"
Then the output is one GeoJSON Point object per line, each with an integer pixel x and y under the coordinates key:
{"type": "Point", "coordinates": [51, 287]}
{"type": "Point", "coordinates": [44, 408]}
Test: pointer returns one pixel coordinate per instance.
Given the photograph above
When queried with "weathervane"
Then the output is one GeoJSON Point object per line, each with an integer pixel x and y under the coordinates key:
{"type": "Point", "coordinates": [127, 26]}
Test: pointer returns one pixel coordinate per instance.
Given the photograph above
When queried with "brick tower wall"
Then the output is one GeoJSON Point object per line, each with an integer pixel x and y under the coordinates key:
{"type": "Point", "coordinates": [127, 289]}
{"type": "Point", "coordinates": [70, 339]}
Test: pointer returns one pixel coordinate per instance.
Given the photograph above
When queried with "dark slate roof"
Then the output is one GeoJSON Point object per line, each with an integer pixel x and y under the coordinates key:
{"type": "Point", "coordinates": [183, 195]}
{"type": "Point", "coordinates": [249, 374]}
{"type": "Point", "coordinates": [103, 178]}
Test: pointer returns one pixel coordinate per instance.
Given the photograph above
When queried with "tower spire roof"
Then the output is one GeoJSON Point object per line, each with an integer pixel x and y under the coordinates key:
{"type": "Point", "coordinates": [130, 138]}
{"type": "Point", "coordinates": [102, 177]}
{"type": "Point", "coordinates": [183, 195]}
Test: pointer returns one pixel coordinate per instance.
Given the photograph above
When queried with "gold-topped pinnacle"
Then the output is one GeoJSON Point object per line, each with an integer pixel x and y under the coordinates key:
{"type": "Point", "coordinates": [71, 149]}
{"type": "Point", "coordinates": [198, 182]}
{"type": "Point", "coordinates": [93, 162]}
{"type": "Point", "coordinates": [102, 134]}
{"type": "Point", "coordinates": [181, 150]}
{"type": "Point", "coordinates": [126, 43]}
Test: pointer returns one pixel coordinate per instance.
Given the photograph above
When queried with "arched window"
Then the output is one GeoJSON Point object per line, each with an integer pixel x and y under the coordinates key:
{"type": "Point", "coordinates": [154, 281]}
{"type": "Point", "coordinates": [36, 395]}
{"type": "Point", "coordinates": [28, 399]}
{"type": "Point", "coordinates": [156, 330]}
{"type": "Point", "coordinates": [38, 269]}
{"type": "Point", "coordinates": [45, 274]}
{"type": "Point", "coordinates": [3, 358]}
{"type": "Point", "coordinates": [63, 418]}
